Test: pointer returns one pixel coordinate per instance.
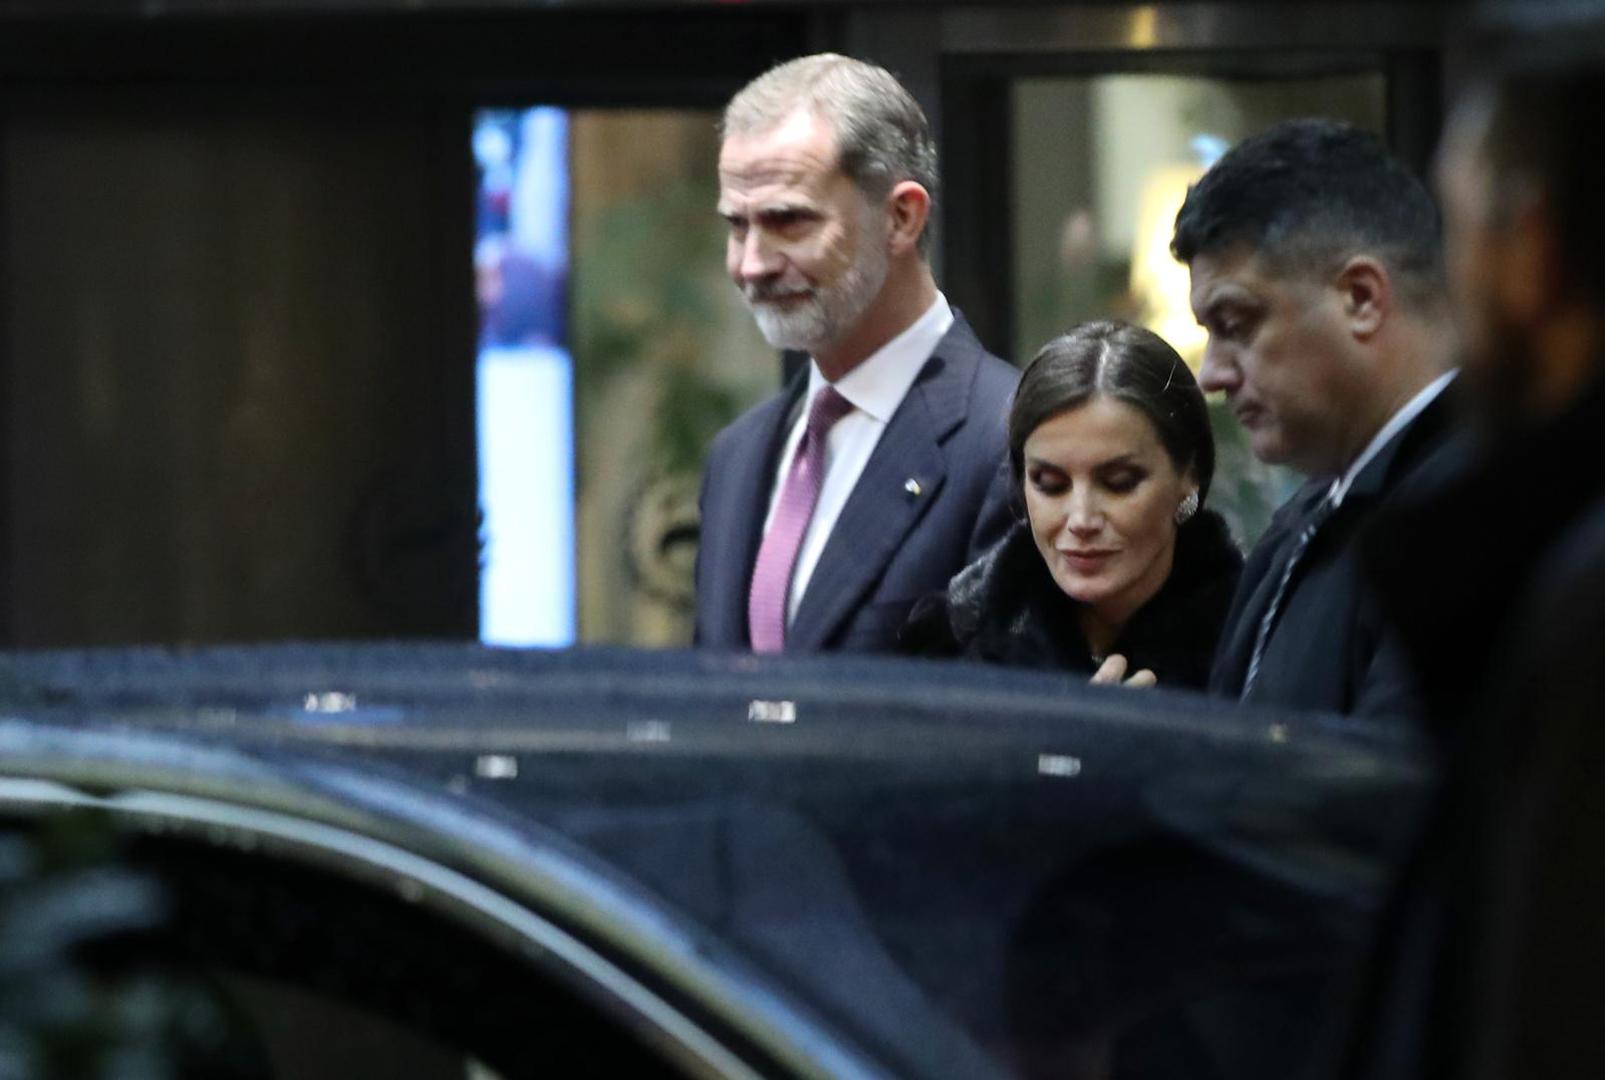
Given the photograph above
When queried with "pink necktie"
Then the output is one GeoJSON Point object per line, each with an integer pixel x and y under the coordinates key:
{"type": "Point", "coordinates": [777, 556]}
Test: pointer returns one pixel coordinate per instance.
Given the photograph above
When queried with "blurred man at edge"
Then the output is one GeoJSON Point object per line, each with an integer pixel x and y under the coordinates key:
{"type": "Point", "coordinates": [1491, 956]}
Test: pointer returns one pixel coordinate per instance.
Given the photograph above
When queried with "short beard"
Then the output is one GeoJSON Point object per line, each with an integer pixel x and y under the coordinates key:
{"type": "Point", "coordinates": [820, 316]}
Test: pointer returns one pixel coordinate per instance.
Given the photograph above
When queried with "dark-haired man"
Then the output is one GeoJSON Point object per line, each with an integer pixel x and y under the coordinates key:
{"type": "Point", "coordinates": [1316, 270]}
{"type": "Point", "coordinates": [1493, 951]}
{"type": "Point", "coordinates": [880, 472]}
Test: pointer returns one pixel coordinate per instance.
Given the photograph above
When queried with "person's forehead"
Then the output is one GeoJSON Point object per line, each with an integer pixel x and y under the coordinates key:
{"type": "Point", "coordinates": [800, 151]}
{"type": "Point", "coordinates": [1101, 427]}
{"type": "Point", "coordinates": [1232, 273]}
{"type": "Point", "coordinates": [1467, 129]}
{"type": "Point", "coordinates": [1461, 171]}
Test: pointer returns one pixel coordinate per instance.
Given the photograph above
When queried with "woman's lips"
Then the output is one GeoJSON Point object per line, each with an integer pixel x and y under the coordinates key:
{"type": "Point", "coordinates": [1087, 561]}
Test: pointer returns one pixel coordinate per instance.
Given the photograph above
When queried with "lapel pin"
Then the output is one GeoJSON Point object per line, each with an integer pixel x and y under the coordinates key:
{"type": "Point", "coordinates": [912, 486]}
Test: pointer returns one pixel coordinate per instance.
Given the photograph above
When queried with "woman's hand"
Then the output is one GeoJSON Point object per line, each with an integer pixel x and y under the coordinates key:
{"type": "Point", "coordinates": [1113, 672]}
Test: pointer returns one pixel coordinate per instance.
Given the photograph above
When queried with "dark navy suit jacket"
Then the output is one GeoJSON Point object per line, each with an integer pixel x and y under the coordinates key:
{"type": "Point", "coordinates": [890, 546]}
{"type": "Point", "coordinates": [1332, 648]}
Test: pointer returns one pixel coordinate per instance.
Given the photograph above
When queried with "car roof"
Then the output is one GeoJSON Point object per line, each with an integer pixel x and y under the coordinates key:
{"type": "Point", "coordinates": [833, 856]}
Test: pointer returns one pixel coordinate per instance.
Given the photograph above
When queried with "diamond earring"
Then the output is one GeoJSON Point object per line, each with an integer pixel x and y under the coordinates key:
{"type": "Point", "coordinates": [1188, 507]}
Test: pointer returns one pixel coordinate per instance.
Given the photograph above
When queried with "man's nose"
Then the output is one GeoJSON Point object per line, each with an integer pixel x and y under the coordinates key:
{"type": "Point", "coordinates": [757, 258]}
{"type": "Point", "coordinates": [1218, 371]}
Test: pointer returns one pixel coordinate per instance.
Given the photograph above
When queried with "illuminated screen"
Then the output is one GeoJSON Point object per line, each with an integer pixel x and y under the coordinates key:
{"type": "Point", "coordinates": [525, 378]}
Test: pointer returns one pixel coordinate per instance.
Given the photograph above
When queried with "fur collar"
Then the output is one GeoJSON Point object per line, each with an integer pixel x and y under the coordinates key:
{"type": "Point", "coordinates": [1006, 608]}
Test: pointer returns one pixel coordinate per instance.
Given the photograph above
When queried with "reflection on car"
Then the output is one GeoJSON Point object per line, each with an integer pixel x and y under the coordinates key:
{"type": "Point", "coordinates": [458, 861]}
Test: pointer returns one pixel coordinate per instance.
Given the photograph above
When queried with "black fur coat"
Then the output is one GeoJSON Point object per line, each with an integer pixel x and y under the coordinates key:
{"type": "Point", "coordinates": [1005, 608]}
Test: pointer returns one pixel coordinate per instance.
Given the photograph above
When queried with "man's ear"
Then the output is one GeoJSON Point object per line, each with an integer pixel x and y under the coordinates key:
{"type": "Point", "coordinates": [1366, 292]}
{"type": "Point", "coordinates": [910, 206]}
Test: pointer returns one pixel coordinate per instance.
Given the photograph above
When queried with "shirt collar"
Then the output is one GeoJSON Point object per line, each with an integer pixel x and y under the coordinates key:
{"type": "Point", "coordinates": [879, 383]}
{"type": "Point", "coordinates": [1399, 421]}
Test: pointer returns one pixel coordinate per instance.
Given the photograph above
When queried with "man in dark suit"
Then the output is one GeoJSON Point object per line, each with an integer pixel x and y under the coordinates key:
{"type": "Point", "coordinates": [1316, 270]}
{"type": "Point", "coordinates": [1494, 572]}
{"type": "Point", "coordinates": [880, 471]}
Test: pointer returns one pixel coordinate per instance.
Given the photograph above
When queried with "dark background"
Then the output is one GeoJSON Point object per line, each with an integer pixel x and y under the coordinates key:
{"type": "Point", "coordinates": [237, 322]}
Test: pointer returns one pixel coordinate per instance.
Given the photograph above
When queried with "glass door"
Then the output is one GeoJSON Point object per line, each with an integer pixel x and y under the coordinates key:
{"type": "Point", "coordinates": [612, 350]}
{"type": "Point", "coordinates": [1101, 164]}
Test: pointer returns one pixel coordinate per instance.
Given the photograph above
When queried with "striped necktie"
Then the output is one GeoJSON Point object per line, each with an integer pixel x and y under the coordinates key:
{"type": "Point", "coordinates": [1318, 517]}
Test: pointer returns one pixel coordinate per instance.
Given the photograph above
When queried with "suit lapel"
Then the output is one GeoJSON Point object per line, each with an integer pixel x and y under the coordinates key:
{"type": "Point", "coordinates": [1242, 625]}
{"type": "Point", "coordinates": [1371, 484]}
{"type": "Point", "coordinates": [883, 509]}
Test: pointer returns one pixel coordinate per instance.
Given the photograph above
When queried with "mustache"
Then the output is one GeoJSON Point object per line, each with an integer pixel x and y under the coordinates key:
{"type": "Point", "coordinates": [761, 292]}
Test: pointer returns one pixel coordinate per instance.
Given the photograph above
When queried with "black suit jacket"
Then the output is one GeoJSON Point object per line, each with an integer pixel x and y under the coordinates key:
{"type": "Point", "coordinates": [890, 546]}
{"type": "Point", "coordinates": [1331, 648]}
{"type": "Point", "coordinates": [1489, 955]}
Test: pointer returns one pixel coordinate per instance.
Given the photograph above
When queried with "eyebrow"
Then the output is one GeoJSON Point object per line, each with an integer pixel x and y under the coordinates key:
{"type": "Point", "coordinates": [764, 209]}
{"type": "Point", "coordinates": [1218, 301]}
{"type": "Point", "coordinates": [1128, 458]}
{"type": "Point", "coordinates": [1233, 293]}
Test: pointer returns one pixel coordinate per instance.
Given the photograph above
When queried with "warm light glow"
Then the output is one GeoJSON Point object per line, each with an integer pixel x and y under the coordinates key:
{"type": "Point", "coordinates": [1159, 283]}
{"type": "Point", "coordinates": [1144, 30]}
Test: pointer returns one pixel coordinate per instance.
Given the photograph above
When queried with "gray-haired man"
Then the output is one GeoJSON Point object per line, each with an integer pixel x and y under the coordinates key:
{"type": "Point", "coordinates": [878, 473]}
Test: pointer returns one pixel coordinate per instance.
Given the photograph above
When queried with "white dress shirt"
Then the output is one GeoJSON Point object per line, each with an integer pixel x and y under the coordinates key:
{"type": "Point", "coordinates": [1411, 410]}
{"type": "Point", "coordinates": [876, 387]}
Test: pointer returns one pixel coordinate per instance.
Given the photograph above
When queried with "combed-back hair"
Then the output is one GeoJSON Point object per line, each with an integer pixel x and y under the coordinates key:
{"type": "Point", "coordinates": [882, 135]}
{"type": "Point", "coordinates": [1305, 195]}
{"type": "Point", "coordinates": [1126, 363]}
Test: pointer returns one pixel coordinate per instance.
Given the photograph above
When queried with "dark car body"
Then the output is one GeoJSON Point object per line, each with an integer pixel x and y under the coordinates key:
{"type": "Point", "coordinates": [731, 866]}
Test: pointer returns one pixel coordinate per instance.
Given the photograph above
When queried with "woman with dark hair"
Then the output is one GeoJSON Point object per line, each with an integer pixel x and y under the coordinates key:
{"type": "Point", "coordinates": [1115, 567]}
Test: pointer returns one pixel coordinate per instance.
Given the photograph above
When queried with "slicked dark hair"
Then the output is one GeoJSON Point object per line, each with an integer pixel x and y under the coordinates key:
{"type": "Point", "coordinates": [1544, 93]}
{"type": "Point", "coordinates": [1304, 195]}
{"type": "Point", "coordinates": [1127, 363]}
